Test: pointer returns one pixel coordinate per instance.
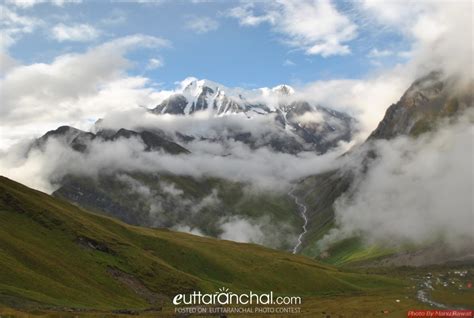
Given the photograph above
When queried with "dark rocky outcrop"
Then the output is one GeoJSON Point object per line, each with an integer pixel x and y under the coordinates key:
{"type": "Point", "coordinates": [80, 140]}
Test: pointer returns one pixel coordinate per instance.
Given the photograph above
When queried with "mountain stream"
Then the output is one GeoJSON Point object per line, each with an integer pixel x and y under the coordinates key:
{"type": "Point", "coordinates": [302, 209]}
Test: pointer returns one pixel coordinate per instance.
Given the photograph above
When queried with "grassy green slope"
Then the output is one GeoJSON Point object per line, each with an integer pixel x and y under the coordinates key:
{"type": "Point", "coordinates": [44, 260]}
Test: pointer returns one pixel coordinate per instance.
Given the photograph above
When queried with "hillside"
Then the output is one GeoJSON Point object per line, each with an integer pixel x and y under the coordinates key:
{"type": "Point", "coordinates": [429, 102]}
{"type": "Point", "coordinates": [56, 255]}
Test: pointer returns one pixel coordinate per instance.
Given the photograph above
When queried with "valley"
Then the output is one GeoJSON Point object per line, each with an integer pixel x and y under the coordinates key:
{"type": "Point", "coordinates": [218, 172]}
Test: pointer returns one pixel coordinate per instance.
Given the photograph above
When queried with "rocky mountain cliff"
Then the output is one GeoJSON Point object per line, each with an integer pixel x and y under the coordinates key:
{"type": "Point", "coordinates": [426, 100]}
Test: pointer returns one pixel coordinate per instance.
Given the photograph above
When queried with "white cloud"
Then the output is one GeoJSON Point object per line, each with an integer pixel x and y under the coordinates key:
{"type": "Point", "coordinates": [246, 17]}
{"type": "Point", "coordinates": [241, 230]}
{"type": "Point", "coordinates": [310, 117]}
{"type": "Point", "coordinates": [75, 32]}
{"type": "Point", "coordinates": [405, 54]}
{"type": "Point", "coordinates": [441, 32]}
{"type": "Point", "coordinates": [170, 188]}
{"type": "Point", "coordinates": [188, 229]}
{"type": "Point", "coordinates": [73, 89]}
{"type": "Point", "coordinates": [115, 17]}
{"type": "Point", "coordinates": [150, 2]}
{"type": "Point", "coordinates": [263, 168]}
{"type": "Point", "coordinates": [14, 26]}
{"type": "Point", "coordinates": [30, 3]}
{"type": "Point", "coordinates": [316, 27]}
{"type": "Point", "coordinates": [394, 13]}
{"type": "Point", "coordinates": [365, 99]}
{"type": "Point", "coordinates": [6, 62]}
{"type": "Point", "coordinates": [289, 62]}
{"type": "Point", "coordinates": [200, 1]}
{"type": "Point", "coordinates": [155, 63]}
{"type": "Point", "coordinates": [376, 53]}
{"type": "Point", "coordinates": [263, 230]}
{"type": "Point", "coordinates": [134, 186]}
{"type": "Point", "coordinates": [201, 24]}
{"type": "Point", "coordinates": [415, 192]}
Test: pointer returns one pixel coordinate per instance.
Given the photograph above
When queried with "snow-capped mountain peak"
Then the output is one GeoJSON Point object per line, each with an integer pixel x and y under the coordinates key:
{"type": "Point", "coordinates": [193, 90]}
{"type": "Point", "coordinates": [197, 95]}
{"type": "Point", "coordinates": [308, 125]}
{"type": "Point", "coordinates": [201, 94]}
{"type": "Point", "coordinates": [283, 90]}
{"type": "Point", "coordinates": [194, 87]}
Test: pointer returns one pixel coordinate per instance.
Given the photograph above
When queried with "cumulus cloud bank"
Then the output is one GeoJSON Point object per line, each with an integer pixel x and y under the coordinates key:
{"type": "Point", "coordinates": [315, 26]}
{"type": "Point", "coordinates": [14, 25]}
{"type": "Point", "coordinates": [47, 95]}
{"type": "Point", "coordinates": [264, 168]}
{"type": "Point", "coordinates": [78, 32]}
{"type": "Point", "coordinates": [201, 24]}
{"type": "Point", "coordinates": [441, 32]}
{"type": "Point", "coordinates": [415, 192]}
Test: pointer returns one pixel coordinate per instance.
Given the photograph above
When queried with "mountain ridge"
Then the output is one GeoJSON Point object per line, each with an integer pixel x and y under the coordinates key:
{"type": "Point", "coordinates": [79, 140]}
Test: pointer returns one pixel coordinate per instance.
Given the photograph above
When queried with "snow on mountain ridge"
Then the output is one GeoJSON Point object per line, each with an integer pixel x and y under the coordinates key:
{"type": "Point", "coordinates": [283, 89]}
{"type": "Point", "coordinates": [194, 87]}
{"type": "Point", "coordinates": [202, 94]}
{"type": "Point", "coordinates": [292, 124]}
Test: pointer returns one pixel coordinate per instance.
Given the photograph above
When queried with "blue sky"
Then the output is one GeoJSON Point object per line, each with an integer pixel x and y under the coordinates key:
{"type": "Point", "coordinates": [227, 52]}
